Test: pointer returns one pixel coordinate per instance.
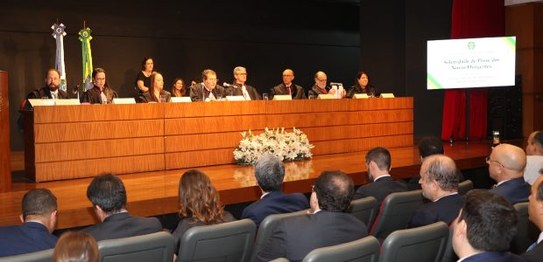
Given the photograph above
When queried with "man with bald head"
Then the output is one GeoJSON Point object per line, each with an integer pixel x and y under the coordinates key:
{"type": "Point", "coordinates": [287, 87]}
{"type": "Point", "coordinates": [534, 158]}
{"type": "Point", "coordinates": [439, 182]}
{"type": "Point", "coordinates": [321, 87]}
{"type": "Point", "coordinates": [506, 166]}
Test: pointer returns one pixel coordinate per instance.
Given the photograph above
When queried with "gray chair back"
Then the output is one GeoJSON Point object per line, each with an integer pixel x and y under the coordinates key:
{"type": "Point", "coordinates": [464, 187]}
{"type": "Point", "coordinates": [266, 228]}
{"type": "Point", "coordinates": [448, 254]}
{"type": "Point", "coordinates": [362, 250]}
{"type": "Point", "coordinates": [396, 211]}
{"type": "Point", "coordinates": [151, 247]}
{"type": "Point", "coordinates": [230, 241]}
{"type": "Point", "coordinates": [365, 209]}
{"type": "Point", "coordinates": [40, 256]}
{"type": "Point", "coordinates": [426, 243]}
{"type": "Point", "coordinates": [527, 232]}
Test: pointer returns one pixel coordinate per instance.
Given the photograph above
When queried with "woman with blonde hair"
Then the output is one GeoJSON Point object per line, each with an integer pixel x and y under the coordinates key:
{"type": "Point", "coordinates": [199, 204]}
{"type": "Point", "coordinates": [76, 246]}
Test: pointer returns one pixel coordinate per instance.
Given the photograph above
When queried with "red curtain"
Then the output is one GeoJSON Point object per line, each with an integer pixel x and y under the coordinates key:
{"type": "Point", "coordinates": [471, 18]}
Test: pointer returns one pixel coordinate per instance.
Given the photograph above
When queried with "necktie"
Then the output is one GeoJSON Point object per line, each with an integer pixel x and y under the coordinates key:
{"type": "Point", "coordinates": [532, 246]}
{"type": "Point", "coordinates": [289, 92]}
{"type": "Point", "coordinates": [53, 95]}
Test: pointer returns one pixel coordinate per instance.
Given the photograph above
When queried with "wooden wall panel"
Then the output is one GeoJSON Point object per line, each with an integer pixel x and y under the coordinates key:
{"type": "Point", "coordinates": [5, 162]}
{"type": "Point", "coordinates": [361, 144]}
{"type": "Point", "coordinates": [221, 108]}
{"type": "Point", "coordinates": [88, 168]}
{"type": "Point", "coordinates": [83, 150]}
{"type": "Point", "coordinates": [213, 124]}
{"type": "Point", "coordinates": [199, 158]}
{"type": "Point", "coordinates": [202, 142]}
{"type": "Point", "coordinates": [63, 132]}
{"type": "Point", "coordinates": [94, 113]}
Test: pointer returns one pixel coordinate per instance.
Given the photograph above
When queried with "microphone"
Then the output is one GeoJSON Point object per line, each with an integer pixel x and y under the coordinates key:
{"type": "Point", "coordinates": [229, 85]}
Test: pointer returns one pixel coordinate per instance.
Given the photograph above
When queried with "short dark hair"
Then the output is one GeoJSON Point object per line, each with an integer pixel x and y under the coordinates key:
{"type": "Point", "coordinates": [442, 169]}
{"type": "Point", "coordinates": [538, 138]}
{"type": "Point", "coordinates": [145, 61]}
{"type": "Point", "coordinates": [381, 156]}
{"type": "Point", "coordinates": [107, 191]}
{"type": "Point", "coordinates": [269, 173]}
{"type": "Point", "coordinates": [491, 220]}
{"type": "Point", "coordinates": [334, 191]}
{"type": "Point", "coordinates": [38, 202]}
{"type": "Point", "coordinates": [430, 146]}
{"type": "Point", "coordinates": [207, 72]}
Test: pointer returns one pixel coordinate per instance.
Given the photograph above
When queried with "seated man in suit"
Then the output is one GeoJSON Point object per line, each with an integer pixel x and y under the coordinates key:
{"type": "Point", "coordinates": [427, 146]}
{"type": "Point", "coordinates": [378, 165]}
{"type": "Point", "coordinates": [239, 88]}
{"type": "Point", "coordinates": [484, 228]}
{"type": "Point", "coordinates": [51, 89]}
{"type": "Point", "coordinates": [535, 214]}
{"type": "Point", "coordinates": [287, 87]}
{"type": "Point", "coordinates": [506, 166]}
{"type": "Point", "coordinates": [534, 158]}
{"type": "Point", "coordinates": [208, 90]}
{"type": "Point", "coordinates": [321, 87]}
{"type": "Point", "coordinates": [439, 182]}
{"type": "Point", "coordinates": [39, 217]}
{"type": "Point", "coordinates": [108, 197]}
{"type": "Point", "coordinates": [269, 173]}
{"type": "Point", "coordinates": [295, 237]}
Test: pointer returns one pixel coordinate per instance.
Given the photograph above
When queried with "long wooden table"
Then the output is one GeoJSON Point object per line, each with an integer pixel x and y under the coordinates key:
{"type": "Point", "coordinates": [155, 193]}
{"type": "Point", "coordinates": [67, 142]}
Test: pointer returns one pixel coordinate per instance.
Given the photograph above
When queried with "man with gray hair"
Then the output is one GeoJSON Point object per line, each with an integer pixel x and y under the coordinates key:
{"type": "Point", "coordinates": [269, 173]}
{"type": "Point", "coordinates": [39, 217]}
{"type": "Point", "coordinates": [239, 88]}
{"type": "Point", "coordinates": [439, 182]}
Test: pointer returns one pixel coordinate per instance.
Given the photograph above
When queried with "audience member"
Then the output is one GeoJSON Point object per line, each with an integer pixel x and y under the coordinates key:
{"type": "Point", "coordinates": [39, 217]}
{"type": "Point", "coordinates": [76, 246]}
{"type": "Point", "coordinates": [178, 88]}
{"type": "Point", "coordinates": [506, 166]}
{"type": "Point", "coordinates": [534, 158]}
{"type": "Point", "coordinates": [108, 197]}
{"type": "Point", "coordinates": [427, 146]}
{"type": "Point", "coordinates": [362, 86]}
{"type": "Point", "coordinates": [378, 164]}
{"type": "Point", "coordinates": [156, 92]}
{"type": "Point", "coordinates": [239, 88]}
{"type": "Point", "coordinates": [535, 214]}
{"type": "Point", "coordinates": [439, 182]}
{"type": "Point", "coordinates": [295, 237]}
{"type": "Point", "coordinates": [143, 79]}
{"type": "Point", "coordinates": [208, 90]}
{"type": "Point", "coordinates": [287, 87]}
{"type": "Point", "coordinates": [199, 203]}
{"type": "Point", "coordinates": [101, 93]}
{"type": "Point", "coordinates": [51, 89]}
{"type": "Point", "coordinates": [269, 173]}
{"type": "Point", "coordinates": [484, 228]}
{"type": "Point", "coordinates": [321, 87]}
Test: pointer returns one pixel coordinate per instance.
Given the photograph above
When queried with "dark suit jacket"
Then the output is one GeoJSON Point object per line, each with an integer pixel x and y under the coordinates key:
{"type": "Point", "coordinates": [534, 255]}
{"type": "Point", "coordinates": [295, 237]}
{"type": "Point", "coordinates": [237, 91]}
{"type": "Point", "coordinates": [494, 257]}
{"type": "Point", "coordinates": [380, 188]}
{"type": "Point", "coordinates": [445, 209]}
{"type": "Point", "coordinates": [26, 238]}
{"type": "Point", "coordinates": [94, 95]}
{"type": "Point", "coordinates": [197, 92]}
{"type": "Point", "coordinates": [276, 202]}
{"type": "Point", "coordinates": [515, 190]}
{"type": "Point", "coordinates": [123, 225]}
{"type": "Point", "coordinates": [45, 92]}
{"type": "Point", "coordinates": [165, 96]}
{"type": "Point", "coordinates": [296, 91]}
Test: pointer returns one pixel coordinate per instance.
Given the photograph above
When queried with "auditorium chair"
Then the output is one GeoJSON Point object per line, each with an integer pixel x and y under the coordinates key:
{"type": "Point", "coordinates": [527, 232]}
{"type": "Point", "coordinates": [396, 211]}
{"type": "Point", "coordinates": [448, 254]}
{"type": "Point", "coordinates": [230, 241]}
{"type": "Point", "coordinates": [464, 187]}
{"type": "Point", "coordinates": [365, 209]}
{"type": "Point", "coordinates": [267, 226]}
{"type": "Point", "coordinates": [151, 247]}
{"type": "Point", "coordinates": [40, 256]}
{"type": "Point", "coordinates": [362, 250]}
{"type": "Point", "coordinates": [425, 243]}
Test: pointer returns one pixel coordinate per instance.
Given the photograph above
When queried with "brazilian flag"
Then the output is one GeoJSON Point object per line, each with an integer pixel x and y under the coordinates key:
{"type": "Point", "coordinates": [85, 37]}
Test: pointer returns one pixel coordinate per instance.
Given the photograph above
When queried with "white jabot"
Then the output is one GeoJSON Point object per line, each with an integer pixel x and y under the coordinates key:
{"type": "Point", "coordinates": [245, 93]}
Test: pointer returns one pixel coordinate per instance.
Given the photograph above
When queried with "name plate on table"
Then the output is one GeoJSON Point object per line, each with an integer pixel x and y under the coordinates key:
{"type": "Point", "coordinates": [326, 96]}
{"type": "Point", "coordinates": [282, 97]}
{"type": "Point", "coordinates": [235, 98]}
{"type": "Point", "coordinates": [387, 95]}
{"type": "Point", "coordinates": [359, 96]}
{"type": "Point", "coordinates": [182, 99]}
{"type": "Point", "coordinates": [124, 101]}
{"type": "Point", "coordinates": [67, 102]}
{"type": "Point", "coordinates": [41, 102]}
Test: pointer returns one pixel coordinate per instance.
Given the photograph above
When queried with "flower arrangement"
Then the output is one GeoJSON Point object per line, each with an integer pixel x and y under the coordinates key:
{"type": "Point", "coordinates": [287, 146]}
